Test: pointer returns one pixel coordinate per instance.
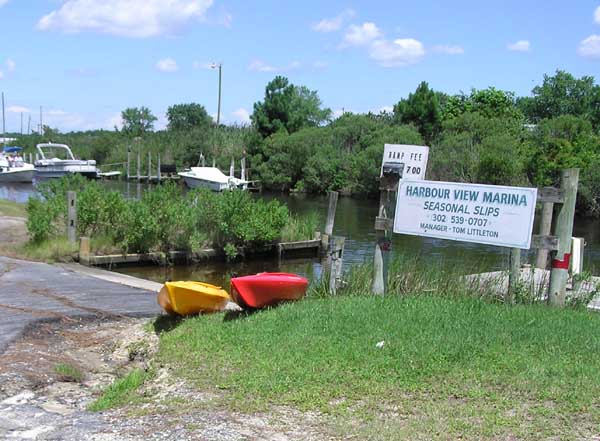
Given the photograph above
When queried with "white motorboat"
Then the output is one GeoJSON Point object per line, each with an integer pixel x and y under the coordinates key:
{"type": "Point", "coordinates": [13, 168]}
{"type": "Point", "coordinates": [50, 166]}
{"type": "Point", "coordinates": [212, 178]}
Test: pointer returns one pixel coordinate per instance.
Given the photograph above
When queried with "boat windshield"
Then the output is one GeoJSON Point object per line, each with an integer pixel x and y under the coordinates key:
{"type": "Point", "coordinates": [55, 152]}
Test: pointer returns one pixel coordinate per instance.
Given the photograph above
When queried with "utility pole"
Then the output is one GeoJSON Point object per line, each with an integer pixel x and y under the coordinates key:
{"type": "Point", "coordinates": [41, 123]}
{"type": "Point", "coordinates": [3, 122]}
{"type": "Point", "coordinates": [29, 125]}
{"type": "Point", "coordinates": [220, 66]}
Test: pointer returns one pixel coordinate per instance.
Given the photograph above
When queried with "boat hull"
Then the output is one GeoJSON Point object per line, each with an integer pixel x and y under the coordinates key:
{"type": "Point", "coordinates": [267, 289]}
{"type": "Point", "coordinates": [16, 175]}
{"type": "Point", "coordinates": [188, 298]}
{"type": "Point", "coordinates": [193, 182]}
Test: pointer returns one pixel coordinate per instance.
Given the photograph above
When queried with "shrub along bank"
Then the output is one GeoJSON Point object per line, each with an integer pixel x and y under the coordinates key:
{"type": "Point", "coordinates": [164, 219]}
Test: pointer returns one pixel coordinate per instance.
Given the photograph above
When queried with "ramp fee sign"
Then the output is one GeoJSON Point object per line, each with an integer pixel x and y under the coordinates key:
{"type": "Point", "coordinates": [489, 214]}
{"type": "Point", "coordinates": [414, 158]}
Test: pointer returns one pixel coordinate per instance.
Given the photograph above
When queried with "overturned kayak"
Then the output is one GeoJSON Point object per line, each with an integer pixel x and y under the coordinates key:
{"type": "Point", "coordinates": [186, 298]}
{"type": "Point", "coordinates": [265, 289]}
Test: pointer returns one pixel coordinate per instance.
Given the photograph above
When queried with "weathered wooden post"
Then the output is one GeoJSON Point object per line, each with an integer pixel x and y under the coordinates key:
{"type": "Point", "coordinates": [202, 160]}
{"type": "Point", "coordinates": [158, 168]}
{"type": "Point", "coordinates": [128, 163]}
{"type": "Point", "coordinates": [214, 162]}
{"type": "Point", "coordinates": [333, 198]}
{"type": "Point", "coordinates": [84, 250]}
{"type": "Point", "coordinates": [149, 166]}
{"type": "Point", "coordinates": [243, 165]}
{"type": "Point", "coordinates": [139, 161]}
{"type": "Point", "coordinates": [545, 227]}
{"type": "Point", "coordinates": [72, 216]}
{"type": "Point", "coordinates": [514, 275]}
{"type": "Point", "coordinates": [564, 231]}
{"type": "Point", "coordinates": [336, 256]}
{"type": "Point", "coordinates": [384, 226]}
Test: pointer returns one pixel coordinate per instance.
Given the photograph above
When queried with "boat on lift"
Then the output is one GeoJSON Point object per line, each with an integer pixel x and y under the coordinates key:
{"type": "Point", "coordinates": [212, 178]}
{"type": "Point", "coordinates": [12, 166]}
{"type": "Point", "coordinates": [57, 160]}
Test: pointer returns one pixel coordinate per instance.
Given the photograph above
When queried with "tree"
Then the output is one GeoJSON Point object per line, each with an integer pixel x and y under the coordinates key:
{"type": "Point", "coordinates": [422, 109]}
{"type": "Point", "coordinates": [287, 107]}
{"type": "Point", "coordinates": [137, 121]}
{"type": "Point", "coordinates": [563, 94]}
{"type": "Point", "coordinates": [187, 117]}
{"type": "Point", "coordinates": [490, 103]}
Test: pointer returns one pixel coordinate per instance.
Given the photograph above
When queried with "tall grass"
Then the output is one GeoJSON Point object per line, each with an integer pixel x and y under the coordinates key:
{"type": "Point", "coordinates": [300, 227]}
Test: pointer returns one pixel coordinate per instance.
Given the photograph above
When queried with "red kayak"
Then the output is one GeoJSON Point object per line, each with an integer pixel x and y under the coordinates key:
{"type": "Point", "coordinates": [265, 289]}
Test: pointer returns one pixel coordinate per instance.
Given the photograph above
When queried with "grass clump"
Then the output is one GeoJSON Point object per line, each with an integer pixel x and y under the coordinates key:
{"type": "Point", "coordinates": [121, 392]}
{"type": "Point", "coordinates": [68, 372]}
{"type": "Point", "coordinates": [58, 249]}
{"type": "Point", "coordinates": [12, 209]}
{"type": "Point", "coordinates": [300, 227]}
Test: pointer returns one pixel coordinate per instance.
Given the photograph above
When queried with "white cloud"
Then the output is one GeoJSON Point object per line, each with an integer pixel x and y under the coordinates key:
{"type": "Point", "coordinates": [590, 47]}
{"type": "Point", "coordinates": [167, 65]}
{"type": "Point", "coordinates": [10, 65]}
{"type": "Point", "coordinates": [1, 75]}
{"type": "Point", "coordinates": [114, 121]}
{"type": "Point", "coordinates": [519, 46]}
{"type": "Point", "coordinates": [242, 115]}
{"type": "Point", "coordinates": [597, 15]}
{"type": "Point", "coordinates": [261, 66]}
{"type": "Point", "coordinates": [17, 109]}
{"type": "Point", "coordinates": [448, 49]}
{"type": "Point", "coordinates": [127, 18]}
{"type": "Point", "coordinates": [361, 35]}
{"type": "Point", "coordinates": [3, 2]}
{"type": "Point", "coordinates": [333, 24]}
{"type": "Point", "coordinates": [397, 53]}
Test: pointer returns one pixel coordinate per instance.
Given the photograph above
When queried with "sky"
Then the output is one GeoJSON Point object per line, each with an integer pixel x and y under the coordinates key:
{"type": "Point", "coordinates": [84, 61]}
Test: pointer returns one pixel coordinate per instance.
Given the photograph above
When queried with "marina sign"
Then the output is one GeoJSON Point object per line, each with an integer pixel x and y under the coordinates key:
{"type": "Point", "coordinates": [489, 214]}
{"type": "Point", "coordinates": [414, 158]}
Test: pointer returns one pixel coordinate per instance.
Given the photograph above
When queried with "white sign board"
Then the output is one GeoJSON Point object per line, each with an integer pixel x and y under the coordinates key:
{"type": "Point", "coordinates": [490, 214]}
{"type": "Point", "coordinates": [414, 158]}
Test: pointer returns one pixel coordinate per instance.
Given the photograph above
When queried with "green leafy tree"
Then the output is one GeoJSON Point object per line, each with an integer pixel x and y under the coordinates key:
{"type": "Point", "coordinates": [563, 94]}
{"type": "Point", "coordinates": [187, 117]}
{"type": "Point", "coordinates": [137, 120]}
{"type": "Point", "coordinates": [490, 102]}
{"type": "Point", "coordinates": [287, 107]}
{"type": "Point", "coordinates": [421, 108]}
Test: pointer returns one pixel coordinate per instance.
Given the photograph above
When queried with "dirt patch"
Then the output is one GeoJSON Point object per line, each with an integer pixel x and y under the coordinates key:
{"type": "Point", "coordinates": [34, 402]}
{"type": "Point", "coordinates": [13, 234]}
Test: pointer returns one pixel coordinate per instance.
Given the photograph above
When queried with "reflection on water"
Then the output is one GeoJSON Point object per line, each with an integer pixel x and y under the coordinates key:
{"type": "Point", "coordinates": [354, 220]}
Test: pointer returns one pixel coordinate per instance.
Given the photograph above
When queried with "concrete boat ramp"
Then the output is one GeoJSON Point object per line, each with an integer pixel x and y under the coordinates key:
{"type": "Point", "coordinates": [31, 292]}
{"type": "Point", "coordinates": [535, 281]}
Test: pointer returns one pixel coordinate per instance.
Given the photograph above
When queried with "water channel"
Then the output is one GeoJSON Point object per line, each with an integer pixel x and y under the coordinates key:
{"type": "Point", "coordinates": [354, 220]}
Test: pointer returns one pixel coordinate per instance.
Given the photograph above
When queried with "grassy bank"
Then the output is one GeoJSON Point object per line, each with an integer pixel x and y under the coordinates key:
{"type": "Point", "coordinates": [447, 368]}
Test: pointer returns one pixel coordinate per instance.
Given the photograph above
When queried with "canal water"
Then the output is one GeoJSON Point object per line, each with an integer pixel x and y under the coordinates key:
{"type": "Point", "coordinates": [354, 220]}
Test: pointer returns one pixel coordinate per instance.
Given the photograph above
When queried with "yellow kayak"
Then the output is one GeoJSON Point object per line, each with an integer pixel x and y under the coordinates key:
{"type": "Point", "coordinates": [186, 298]}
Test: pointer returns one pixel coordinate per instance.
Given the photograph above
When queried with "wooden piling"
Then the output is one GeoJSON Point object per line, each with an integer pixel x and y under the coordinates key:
{"type": "Point", "coordinates": [333, 198]}
{"type": "Point", "coordinates": [84, 250]}
{"type": "Point", "coordinates": [545, 226]}
{"type": "Point", "coordinates": [149, 166]}
{"type": "Point", "coordinates": [243, 165]}
{"type": "Point", "coordinates": [514, 275]}
{"type": "Point", "coordinates": [158, 169]}
{"type": "Point", "coordinates": [139, 161]}
{"type": "Point", "coordinates": [128, 164]}
{"type": "Point", "coordinates": [559, 273]}
{"type": "Point", "coordinates": [72, 216]}
{"type": "Point", "coordinates": [336, 257]}
{"type": "Point", "coordinates": [232, 168]}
